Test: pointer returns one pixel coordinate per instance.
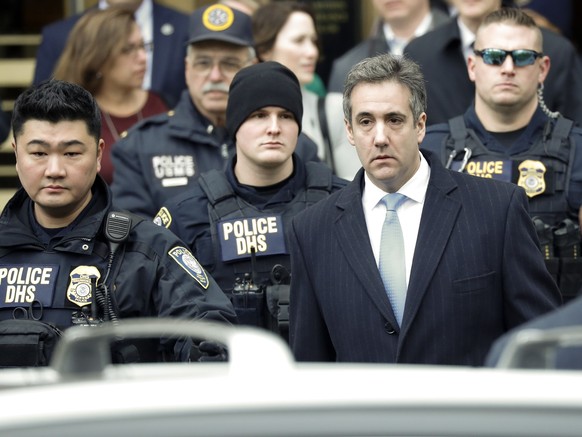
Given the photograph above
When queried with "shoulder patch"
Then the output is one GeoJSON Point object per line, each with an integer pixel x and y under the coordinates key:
{"type": "Point", "coordinates": [163, 218]}
{"type": "Point", "coordinates": [188, 262]}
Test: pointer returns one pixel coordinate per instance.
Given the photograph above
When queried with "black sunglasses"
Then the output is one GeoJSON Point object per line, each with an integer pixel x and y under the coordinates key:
{"type": "Point", "coordinates": [521, 57]}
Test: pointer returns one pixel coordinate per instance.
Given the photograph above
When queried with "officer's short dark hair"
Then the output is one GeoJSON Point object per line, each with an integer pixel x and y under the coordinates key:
{"type": "Point", "coordinates": [55, 101]}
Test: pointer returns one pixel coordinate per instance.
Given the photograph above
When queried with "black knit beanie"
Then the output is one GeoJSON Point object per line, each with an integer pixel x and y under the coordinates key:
{"type": "Point", "coordinates": [260, 85]}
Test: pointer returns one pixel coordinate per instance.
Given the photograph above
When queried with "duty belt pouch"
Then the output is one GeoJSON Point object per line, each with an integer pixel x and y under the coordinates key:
{"type": "Point", "coordinates": [546, 237]}
{"type": "Point", "coordinates": [567, 246]}
{"type": "Point", "coordinates": [278, 306]}
{"type": "Point", "coordinates": [27, 343]}
{"type": "Point", "coordinates": [249, 307]}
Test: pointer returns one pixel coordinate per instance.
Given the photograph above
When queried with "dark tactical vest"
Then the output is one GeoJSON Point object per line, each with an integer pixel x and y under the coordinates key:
{"type": "Point", "coordinates": [252, 263]}
{"type": "Point", "coordinates": [544, 172]}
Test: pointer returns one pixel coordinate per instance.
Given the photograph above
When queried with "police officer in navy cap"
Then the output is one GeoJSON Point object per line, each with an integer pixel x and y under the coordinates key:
{"type": "Point", "coordinates": [164, 155]}
{"type": "Point", "coordinates": [234, 221]}
{"type": "Point", "coordinates": [67, 257]}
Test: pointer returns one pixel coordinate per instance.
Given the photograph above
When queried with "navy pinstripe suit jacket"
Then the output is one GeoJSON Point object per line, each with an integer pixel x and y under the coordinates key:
{"type": "Point", "coordinates": [477, 272]}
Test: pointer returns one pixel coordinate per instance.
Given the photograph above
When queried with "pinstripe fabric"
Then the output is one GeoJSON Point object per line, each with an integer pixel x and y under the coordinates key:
{"type": "Point", "coordinates": [477, 271]}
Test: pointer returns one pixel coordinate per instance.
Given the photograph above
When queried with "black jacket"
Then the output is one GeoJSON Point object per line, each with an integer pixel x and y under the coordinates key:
{"type": "Point", "coordinates": [164, 155]}
{"type": "Point", "coordinates": [157, 276]}
{"type": "Point", "coordinates": [450, 91]}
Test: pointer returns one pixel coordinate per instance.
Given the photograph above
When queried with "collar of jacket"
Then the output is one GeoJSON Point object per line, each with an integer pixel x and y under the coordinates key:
{"type": "Point", "coordinates": [186, 122]}
{"type": "Point", "coordinates": [286, 194]}
{"type": "Point", "coordinates": [16, 229]}
{"type": "Point", "coordinates": [529, 136]}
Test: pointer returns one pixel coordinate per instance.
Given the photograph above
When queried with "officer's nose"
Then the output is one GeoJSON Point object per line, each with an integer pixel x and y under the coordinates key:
{"type": "Point", "coordinates": [274, 127]}
{"type": "Point", "coordinates": [55, 167]}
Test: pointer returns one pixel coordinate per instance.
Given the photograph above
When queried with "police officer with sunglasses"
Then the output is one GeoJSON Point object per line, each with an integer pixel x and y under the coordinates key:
{"type": "Point", "coordinates": [509, 133]}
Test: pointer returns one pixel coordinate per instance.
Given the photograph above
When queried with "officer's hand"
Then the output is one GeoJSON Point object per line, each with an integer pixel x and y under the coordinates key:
{"type": "Point", "coordinates": [210, 351]}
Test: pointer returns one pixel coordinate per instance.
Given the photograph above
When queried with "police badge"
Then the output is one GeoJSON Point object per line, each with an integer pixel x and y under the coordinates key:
{"type": "Point", "coordinates": [218, 18]}
{"type": "Point", "coordinates": [80, 290]}
{"type": "Point", "coordinates": [531, 177]}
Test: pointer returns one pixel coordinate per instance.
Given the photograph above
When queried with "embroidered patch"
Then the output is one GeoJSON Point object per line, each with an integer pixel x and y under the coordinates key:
{"type": "Point", "coordinates": [23, 284]}
{"type": "Point", "coordinates": [218, 17]}
{"type": "Point", "coordinates": [187, 261]}
{"type": "Point", "coordinates": [163, 218]}
{"type": "Point", "coordinates": [240, 237]}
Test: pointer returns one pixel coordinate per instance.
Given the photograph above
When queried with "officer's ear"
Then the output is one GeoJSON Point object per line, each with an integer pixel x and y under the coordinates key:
{"type": "Point", "coordinates": [471, 67]}
{"type": "Point", "coordinates": [349, 131]}
{"type": "Point", "coordinates": [545, 64]}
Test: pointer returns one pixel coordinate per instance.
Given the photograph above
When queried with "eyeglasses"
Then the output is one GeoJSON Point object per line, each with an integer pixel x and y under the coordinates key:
{"type": "Point", "coordinates": [132, 49]}
{"type": "Point", "coordinates": [521, 57]}
{"type": "Point", "coordinates": [228, 67]}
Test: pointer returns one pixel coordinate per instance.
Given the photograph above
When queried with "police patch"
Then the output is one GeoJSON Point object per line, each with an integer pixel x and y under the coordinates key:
{"type": "Point", "coordinates": [23, 284]}
{"type": "Point", "coordinates": [187, 261]}
{"type": "Point", "coordinates": [80, 289]}
{"type": "Point", "coordinates": [531, 177]}
{"type": "Point", "coordinates": [240, 237]}
{"type": "Point", "coordinates": [163, 218]}
{"type": "Point", "coordinates": [217, 18]}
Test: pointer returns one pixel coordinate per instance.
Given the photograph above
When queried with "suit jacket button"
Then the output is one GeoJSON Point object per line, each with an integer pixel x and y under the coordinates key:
{"type": "Point", "coordinates": [389, 329]}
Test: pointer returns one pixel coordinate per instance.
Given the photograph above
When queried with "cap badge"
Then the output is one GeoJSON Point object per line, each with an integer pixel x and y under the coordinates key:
{"type": "Point", "coordinates": [218, 17]}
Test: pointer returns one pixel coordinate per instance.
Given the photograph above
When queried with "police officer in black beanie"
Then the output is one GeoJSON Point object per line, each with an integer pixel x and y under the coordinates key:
{"type": "Point", "coordinates": [234, 221]}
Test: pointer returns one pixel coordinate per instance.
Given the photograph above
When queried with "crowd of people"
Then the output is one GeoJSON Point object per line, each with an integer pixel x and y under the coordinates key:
{"type": "Point", "coordinates": [418, 206]}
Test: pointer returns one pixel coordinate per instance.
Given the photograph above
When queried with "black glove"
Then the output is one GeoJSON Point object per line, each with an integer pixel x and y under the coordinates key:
{"type": "Point", "coordinates": [209, 351]}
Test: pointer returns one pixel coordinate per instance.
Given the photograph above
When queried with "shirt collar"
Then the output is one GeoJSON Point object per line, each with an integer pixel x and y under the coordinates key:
{"type": "Point", "coordinates": [414, 189]}
{"type": "Point", "coordinates": [397, 44]}
{"type": "Point", "coordinates": [467, 39]}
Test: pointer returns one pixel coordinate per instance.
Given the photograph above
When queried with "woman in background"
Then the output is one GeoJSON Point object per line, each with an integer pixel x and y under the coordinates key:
{"type": "Point", "coordinates": [106, 55]}
{"type": "Point", "coordinates": [284, 31]}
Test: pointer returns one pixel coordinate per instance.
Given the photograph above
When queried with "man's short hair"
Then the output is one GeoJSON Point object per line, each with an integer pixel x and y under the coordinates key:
{"type": "Point", "coordinates": [55, 101]}
{"type": "Point", "coordinates": [387, 68]}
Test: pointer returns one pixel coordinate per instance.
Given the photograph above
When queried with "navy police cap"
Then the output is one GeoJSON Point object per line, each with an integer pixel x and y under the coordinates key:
{"type": "Point", "coordinates": [220, 23]}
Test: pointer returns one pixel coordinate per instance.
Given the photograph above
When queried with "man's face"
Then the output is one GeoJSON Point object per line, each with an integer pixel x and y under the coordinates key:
{"type": "Point", "coordinates": [385, 134]}
{"type": "Point", "coordinates": [210, 68]}
{"type": "Point", "coordinates": [57, 164]}
{"type": "Point", "coordinates": [395, 11]}
{"type": "Point", "coordinates": [267, 138]}
{"type": "Point", "coordinates": [476, 10]}
{"type": "Point", "coordinates": [507, 87]}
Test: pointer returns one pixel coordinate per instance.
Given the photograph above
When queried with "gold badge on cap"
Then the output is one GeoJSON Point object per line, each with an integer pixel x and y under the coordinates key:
{"type": "Point", "coordinates": [218, 17]}
{"type": "Point", "coordinates": [80, 290]}
{"type": "Point", "coordinates": [531, 177]}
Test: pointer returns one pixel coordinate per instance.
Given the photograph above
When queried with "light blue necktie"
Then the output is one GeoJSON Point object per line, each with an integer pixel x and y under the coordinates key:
{"type": "Point", "coordinates": [392, 267]}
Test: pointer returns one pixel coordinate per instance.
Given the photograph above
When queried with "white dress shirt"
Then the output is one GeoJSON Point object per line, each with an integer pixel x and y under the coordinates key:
{"type": "Point", "coordinates": [409, 213]}
{"type": "Point", "coordinates": [467, 39]}
{"type": "Point", "coordinates": [397, 44]}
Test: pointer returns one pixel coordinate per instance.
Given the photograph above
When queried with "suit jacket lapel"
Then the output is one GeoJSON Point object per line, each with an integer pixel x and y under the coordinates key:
{"type": "Point", "coordinates": [352, 235]}
{"type": "Point", "coordinates": [438, 219]}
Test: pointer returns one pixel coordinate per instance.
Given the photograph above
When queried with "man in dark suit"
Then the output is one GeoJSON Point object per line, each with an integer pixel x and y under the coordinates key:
{"type": "Point", "coordinates": [470, 258]}
{"type": "Point", "coordinates": [399, 23]}
{"type": "Point", "coordinates": [165, 27]}
{"type": "Point", "coordinates": [442, 55]}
